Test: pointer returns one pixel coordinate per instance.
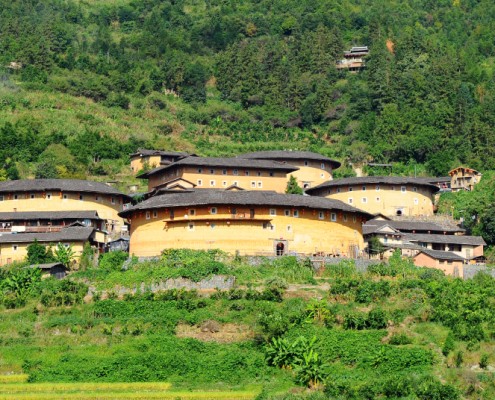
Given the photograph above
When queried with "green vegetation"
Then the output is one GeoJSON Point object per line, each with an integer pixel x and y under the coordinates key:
{"type": "Point", "coordinates": [86, 83]}
{"type": "Point", "coordinates": [394, 332]}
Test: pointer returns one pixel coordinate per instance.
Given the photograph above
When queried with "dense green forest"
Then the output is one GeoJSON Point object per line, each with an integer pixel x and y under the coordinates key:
{"type": "Point", "coordinates": [84, 83]}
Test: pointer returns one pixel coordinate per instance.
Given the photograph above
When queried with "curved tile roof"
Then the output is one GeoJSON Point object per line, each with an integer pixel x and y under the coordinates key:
{"type": "Point", "coordinates": [219, 162]}
{"type": "Point", "coordinates": [205, 197]}
{"type": "Point", "coordinates": [288, 155]}
{"type": "Point", "coordinates": [64, 185]}
{"type": "Point", "coordinates": [368, 180]}
{"type": "Point", "coordinates": [73, 233]}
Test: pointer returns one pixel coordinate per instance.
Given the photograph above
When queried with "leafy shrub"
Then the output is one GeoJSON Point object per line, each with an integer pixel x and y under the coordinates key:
{"type": "Point", "coordinates": [449, 344]}
{"type": "Point", "coordinates": [113, 260]}
{"type": "Point", "coordinates": [369, 291]}
{"type": "Point", "coordinates": [484, 361]}
{"type": "Point", "coordinates": [398, 339]}
{"type": "Point", "coordinates": [62, 292]}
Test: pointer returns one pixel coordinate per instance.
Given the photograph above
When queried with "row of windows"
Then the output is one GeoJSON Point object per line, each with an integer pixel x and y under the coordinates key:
{"type": "Point", "coordinates": [364, 200]}
{"type": "Point", "coordinates": [403, 189]}
{"type": "Point", "coordinates": [235, 172]}
{"type": "Point", "coordinates": [50, 196]}
{"type": "Point", "coordinates": [322, 165]}
{"type": "Point", "coordinates": [213, 183]}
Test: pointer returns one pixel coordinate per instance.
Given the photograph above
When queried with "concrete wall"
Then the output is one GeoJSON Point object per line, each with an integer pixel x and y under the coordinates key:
{"type": "Point", "coordinates": [385, 199]}
{"type": "Point", "coordinates": [107, 206]}
{"type": "Point", "coordinates": [300, 231]}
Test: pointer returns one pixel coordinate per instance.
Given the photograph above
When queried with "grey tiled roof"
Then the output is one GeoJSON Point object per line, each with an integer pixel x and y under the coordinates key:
{"type": "Point", "coordinates": [442, 255]}
{"type": "Point", "coordinates": [64, 185]}
{"type": "Point", "coordinates": [437, 179]}
{"type": "Point", "coordinates": [69, 234]}
{"type": "Point", "coordinates": [146, 152]}
{"type": "Point", "coordinates": [242, 198]}
{"type": "Point", "coordinates": [373, 180]}
{"type": "Point", "coordinates": [408, 226]}
{"type": "Point", "coordinates": [289, 155]}
{"type": "Point", "coordinates": [47, 265]}
{"type": "Point", "coordinates": [219, 162]}
{"type": "Point", "coordinates": [447, 239]}
{"type": "Point", "coordinates": [50, 215]}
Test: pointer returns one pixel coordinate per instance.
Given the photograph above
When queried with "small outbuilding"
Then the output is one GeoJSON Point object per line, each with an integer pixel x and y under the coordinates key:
{"type": "Point", "coordinates": [55, 269]}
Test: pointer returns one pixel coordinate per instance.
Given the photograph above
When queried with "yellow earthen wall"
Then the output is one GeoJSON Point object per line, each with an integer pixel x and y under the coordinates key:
{"type": "Point", "coordinates": [203, 180]}
{"type": "Point", "coordinates": [386, 200]}
{"type": "Point", "coordinates": [423, 260]}
{"type": "Point", "coordinates": [56, 202]}
{"type": "Point", "coordinates": [8, 254]}
{"type": "Point", "coordinates": [137, 163]}
{"type": "Point", "coordinates": [312, 174]}
{"type": "Point", "coordinates": [303, 234]}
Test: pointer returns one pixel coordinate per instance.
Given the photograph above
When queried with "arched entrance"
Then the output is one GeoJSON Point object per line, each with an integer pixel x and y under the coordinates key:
{"type": "Point", "coordinates": [280, 248]}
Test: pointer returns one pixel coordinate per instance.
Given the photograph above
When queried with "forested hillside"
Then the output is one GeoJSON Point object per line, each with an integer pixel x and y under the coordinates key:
{"type": "Point", "coordinates": [84, 83]}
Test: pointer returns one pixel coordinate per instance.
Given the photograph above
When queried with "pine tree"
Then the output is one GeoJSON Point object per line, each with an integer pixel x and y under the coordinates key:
{"type": "Point", "coordinates": [293, 187]}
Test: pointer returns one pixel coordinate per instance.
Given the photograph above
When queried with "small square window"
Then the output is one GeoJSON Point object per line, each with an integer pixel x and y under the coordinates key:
{"type": "Point", "coordinates": [253, 184]}
{"type": "Point", "coordinates": [236, 183]}
{"type": "Point", "coordinates": [49, 196]}
{"type": "Point", "coordinates": [33, 196]}
{"type": "Point", "coordinates": [305, 163]}
{"type": "Point", "coordinates": [200, 170]}
{"type": "Point", "coordinates": [192, 211]}
{"type": "Point", "coordinates": [350, 189]}
{"type": "Point", "coordinates": [333, 217]}
{"type": "Point", "coordinates": [271, 173]}
{"type": "Point", "coordinates": [155, 214]}
{"type": "Point", "coordinates": [287, 213]}
{"type": "Point", "coordinates": [377, 199]}
{"type": "Point", "coordinates": [81, 197]}
{"type": "Point", "coordinates": [296, 213]}
{"type": "Point", "coordinates": [96, 197]}
{"type": "Point", "coordinates": [322, 176]}
{"type": "Point", "coordinates": [403, 189]}
{"type": "Point", "coordinates": [224, 172]}
{"type": "Point", "coordinates": [246, 173]}
{"type": "Point", "coordinates": [364, 200]}
{"type": "Point", "coordinates": [415, 189]}
{"type": "Point", "coordinates": [364, 188]}
{"type": "Point", "coordinates": [377, 188]}
{"type": "Point", "coordinates": [16, 196]}
{"type": "Point", "coordinates": [235, 172]}
{"type": "Point", "coordinates": [212, 226]}
{"type": "Point", "coordinates": [345, 217]}
{"type": "Point", "coordinates": [273, 211]}
{"type": "Point", "coordinates": [260, 184]}
{"type": "Point", "coordinates": [14, 247]}
{"type": "Point", "coordinates": [338, 190]}
{"type": "Point", "coordinates": [148, 215]}
{"type": "Point", "coordinates": [321, 215]}
{"type": "Point", "coordinates": [190, 226]}
{"type": "Point", "coordinates": [349, 200]}
{"type": "Point", "coordinates": [113, 200]}
{"type": "Point", "coordinates": [258, 173]}
{"type": "Point", "coordinates": [289, 228]}
{"type": "Point", "coordinates": [213, 210]}
{"type": "Point", "coordinates": [200, 182]}
{"type": "Point", "coordinates": [212, 183]}
{"type": "Point", "coordinates": [212, 171]}
{"type": "Point", "coordinates": [322, 165]}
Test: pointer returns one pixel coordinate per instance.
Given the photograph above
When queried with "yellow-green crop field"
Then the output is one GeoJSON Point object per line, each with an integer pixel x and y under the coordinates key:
{"type": "Point", "coordinates": [13, 387]}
